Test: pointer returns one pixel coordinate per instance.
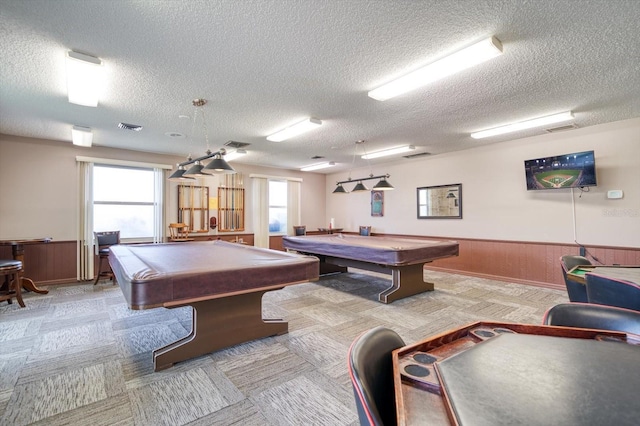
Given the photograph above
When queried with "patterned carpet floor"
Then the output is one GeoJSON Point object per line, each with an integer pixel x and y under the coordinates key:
{"type": "Point", "coordinates": [80, 356]}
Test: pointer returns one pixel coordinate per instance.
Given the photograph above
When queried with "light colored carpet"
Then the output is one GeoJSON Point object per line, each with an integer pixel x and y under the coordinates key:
{"type": "Point", "coordinates": [80, 356]}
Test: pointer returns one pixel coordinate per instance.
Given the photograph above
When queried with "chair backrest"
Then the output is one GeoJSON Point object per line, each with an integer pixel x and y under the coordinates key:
{"type": "Point", "coordinates": [300, 230]}
{"type": "Point", "coordinates": [577, 292]}
{"type": "Point", "coordinates": [178, 231]}
{"type": "Point", "coordinates": [570, 261]}
{"type": "Point", "coordinates": [365, 231]}
{"type": "Point", "coordinates": [589, 315]}
{"type": "Point", "coordinates": [371, 373]}
{"type": "Point", "coordinates": [106, 239]}
{"type": "Point", "coordinates": [612, 292]}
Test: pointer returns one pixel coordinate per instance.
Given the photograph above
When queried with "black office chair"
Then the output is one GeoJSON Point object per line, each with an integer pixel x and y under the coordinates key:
{"type": "Point", "coordinates": [589, 315]}
{"type": "Point", "coordinates": [103, 241]}
{"type": "Point", "coordinates": [371, 373]}
{"type": "Point", "coordinates": [613, 292]}
{"type": "Point", "coordinates": [577, 292]}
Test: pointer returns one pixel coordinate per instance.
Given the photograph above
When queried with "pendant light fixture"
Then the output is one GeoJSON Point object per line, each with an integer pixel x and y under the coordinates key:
{"type": "Point", "coordinates": [193, 168]}
{"type": "Point", "coordinates": [382, 185]}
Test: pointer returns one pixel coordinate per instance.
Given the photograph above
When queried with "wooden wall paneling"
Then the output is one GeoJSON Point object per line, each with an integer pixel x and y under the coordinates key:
{"type": "Point", "coordinates": [515, 261]}
{"type": "Point", "coordinates": [275, 242]}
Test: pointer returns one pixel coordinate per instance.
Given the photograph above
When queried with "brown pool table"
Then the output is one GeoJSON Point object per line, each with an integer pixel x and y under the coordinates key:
{"type": "Point", "coordinates": [402, 258]}
{"type": "Point", "coordinates": [223, 282]}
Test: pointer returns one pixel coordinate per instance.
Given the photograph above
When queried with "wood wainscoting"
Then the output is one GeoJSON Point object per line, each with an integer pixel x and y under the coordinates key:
{"type": "Point", "coordinates": [48, 263]}
{"type": "Point", "coordinates": [528, 263]}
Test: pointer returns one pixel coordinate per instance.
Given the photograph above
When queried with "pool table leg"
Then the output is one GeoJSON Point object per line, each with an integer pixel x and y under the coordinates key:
{"type": "Point", "coordinates": [220, 323]}
{"type": "Point", "coordinates": [405, 281]}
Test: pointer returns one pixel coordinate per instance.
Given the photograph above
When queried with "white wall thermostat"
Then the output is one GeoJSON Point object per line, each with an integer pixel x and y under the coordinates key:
{"type": "Point", "coordinates": [615, 194]}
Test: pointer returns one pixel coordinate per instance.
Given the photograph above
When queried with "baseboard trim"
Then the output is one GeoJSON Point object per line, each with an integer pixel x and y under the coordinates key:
{"type": "Point", "coordinates": [497, 278]}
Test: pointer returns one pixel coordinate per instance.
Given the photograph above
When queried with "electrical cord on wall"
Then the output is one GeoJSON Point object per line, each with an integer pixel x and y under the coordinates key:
{"type": "Point", "coordinates": [583, 249]}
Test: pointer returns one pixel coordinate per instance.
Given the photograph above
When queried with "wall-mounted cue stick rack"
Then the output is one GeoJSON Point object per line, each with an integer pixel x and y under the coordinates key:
{"type": "Point", "coordinates": [231, 203]}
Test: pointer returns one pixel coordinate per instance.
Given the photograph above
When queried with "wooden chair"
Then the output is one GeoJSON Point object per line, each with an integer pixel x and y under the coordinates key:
{"type": "Point", "coordinates": [365, 231]}
{"type": "Point", "coordinates": [104, 240]}
{"type": "Point", "coordinates": [179, 232]}
{"type": "Point", "coordinates": [12, 287]}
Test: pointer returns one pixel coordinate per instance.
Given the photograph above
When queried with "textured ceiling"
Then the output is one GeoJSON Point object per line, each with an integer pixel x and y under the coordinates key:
{"type": "Point", "coordinates": [266, 64]}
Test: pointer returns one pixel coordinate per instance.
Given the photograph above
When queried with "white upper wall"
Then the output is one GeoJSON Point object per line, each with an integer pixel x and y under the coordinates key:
{"type": "Point", "coordinates": [495, 202]}
{"type": "Point", "coordinates": [39, 187]}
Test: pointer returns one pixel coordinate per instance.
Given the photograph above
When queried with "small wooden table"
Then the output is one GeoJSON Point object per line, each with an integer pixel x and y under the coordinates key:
{"type": "Point", "coordinates": [17, 250]}
{"type": "Point", "coordinates": [505, 374]}
{"type": "Point", "coordinates": [627, 273]}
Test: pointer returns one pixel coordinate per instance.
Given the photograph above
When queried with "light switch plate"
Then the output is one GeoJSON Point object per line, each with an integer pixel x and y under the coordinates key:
{"type": "Point", "coordinates": [614, 194]}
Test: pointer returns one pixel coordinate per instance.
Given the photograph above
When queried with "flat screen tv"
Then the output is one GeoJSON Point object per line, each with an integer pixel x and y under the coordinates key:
{"type": "Point", "coordinates": [575, 170]}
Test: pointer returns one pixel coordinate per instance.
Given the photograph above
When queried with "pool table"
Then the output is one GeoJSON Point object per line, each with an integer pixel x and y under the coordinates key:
{"type": "Point", "coordinates": [402, 258]}
{"type": "Point", "coordinates": [223, 282]}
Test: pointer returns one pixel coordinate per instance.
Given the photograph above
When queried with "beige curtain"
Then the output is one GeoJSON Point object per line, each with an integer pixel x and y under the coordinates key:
{"type": "Point", "coordinates": [260, 189]}
{"type": "Point", "coordinates": [159, 207]}
{"type": "Point", "coordinates": [293, 205]}
{"type": "Point", "coordinates": [85, 247]}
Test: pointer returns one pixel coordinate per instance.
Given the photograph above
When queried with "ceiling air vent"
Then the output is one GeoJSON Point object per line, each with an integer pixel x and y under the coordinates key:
{"type": "Point", "coordinates": [419, 154]}
{"type": "Point", "coordinates": [235, 144]}
{"type": "Point", "coordinates": [561, 128]}
{"type": "Point", "coordinates": [126, 126]}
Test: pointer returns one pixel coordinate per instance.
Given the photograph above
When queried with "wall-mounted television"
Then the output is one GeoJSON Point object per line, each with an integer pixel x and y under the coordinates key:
{"type": "Point", "coordinates": [575, 170]}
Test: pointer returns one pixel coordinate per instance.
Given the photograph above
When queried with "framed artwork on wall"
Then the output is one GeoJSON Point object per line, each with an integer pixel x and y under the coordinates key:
{"type": "Point", "coordinates": [377, 203]}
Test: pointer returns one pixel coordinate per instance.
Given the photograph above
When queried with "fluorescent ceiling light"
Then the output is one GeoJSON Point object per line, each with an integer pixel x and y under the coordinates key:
{"type": "Point", "coordinates": [84, 79]}
{"type": "Point", "coordinates": [230, 156]}
{"type": "Point", "coordinates": [317, 166]}
{"type": "Point", "coordinates": [475, 54]}
{"type": "Point", "coordinates": [296, 129]}
{"type": "Point", "coordinates": [81, 136]}
{"type": "Point", "coordinates": [523, 125]}
{"type": "Point", "coordinates": [386, 152]}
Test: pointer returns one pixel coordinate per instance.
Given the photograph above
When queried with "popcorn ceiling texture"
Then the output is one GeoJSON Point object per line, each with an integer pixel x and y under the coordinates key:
{"type": "Point", "coordinates": [264, 65]}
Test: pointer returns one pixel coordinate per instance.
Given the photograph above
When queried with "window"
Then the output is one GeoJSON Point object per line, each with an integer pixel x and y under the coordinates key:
{"type": "Point", "coordinates": [123, 199]}
{"type": "Point", "coordinates": [277, 206]}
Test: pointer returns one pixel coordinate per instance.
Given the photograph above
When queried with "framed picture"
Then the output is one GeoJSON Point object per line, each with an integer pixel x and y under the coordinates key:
{"type": "Point", "coordinates": [377, 203]}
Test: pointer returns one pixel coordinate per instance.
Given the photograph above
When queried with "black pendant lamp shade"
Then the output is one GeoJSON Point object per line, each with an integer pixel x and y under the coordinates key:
{"type": "Point", "coordinates": [359, 187]}
{"type": "Point", "coordinates": [178, 175]}
{"type": "Point", "coordinates": [383, 185]}
{"type": "Point", "coordinates": [218, 165]}
{"type": "Point", "coordinates": [340, 190]}
{"type": "Point", "coordinates": [195, 170]}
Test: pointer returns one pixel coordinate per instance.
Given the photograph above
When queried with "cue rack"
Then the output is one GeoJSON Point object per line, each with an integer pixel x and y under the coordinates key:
{"type": "Point", "coordinates": [193, 207]}
{"type": "Point", "coordinates": [231, 203]}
